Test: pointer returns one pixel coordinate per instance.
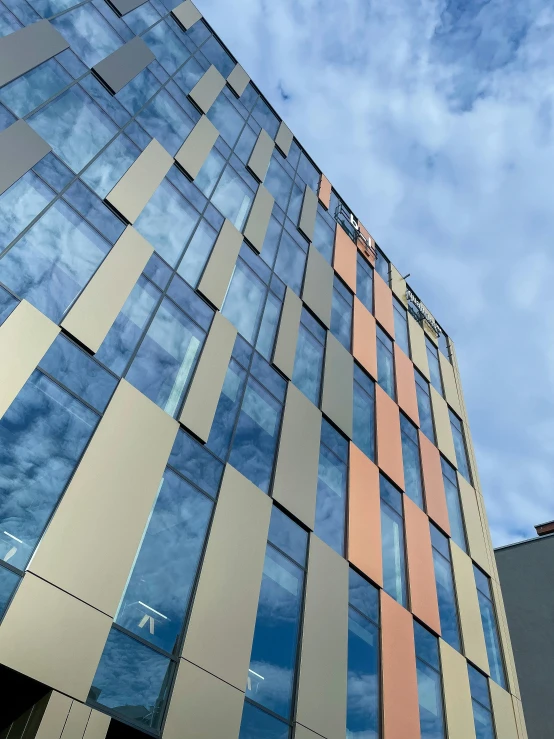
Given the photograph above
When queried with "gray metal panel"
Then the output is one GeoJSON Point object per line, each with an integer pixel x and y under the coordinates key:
{"type": "Point", "coordinates": [219, 270]}
{"type": "Point", "coordinates": [206, 90]}
{"type": "Point", "coordinates": [258, 220]}
{"type": "Point", "coordinates": [238, 80]}
{"type": "Point", "coordinates": [283, 140]}
{"type": "Point", "coordinates": [125, 6]}
{"type": "Point", "coordinates": [317, 292]}
{"type": "Point", "coordinates": [187, 14]}
{"type": "Point", "coordinates": [338, 385]}
{"type": "Point", "coordinates": [308, 213]}
{"type": "Point", "coordinates": [287, 334]}
{"type": "Point", "coordinates": [20, 149]}
{"type": "Point", "coordinates": [25, 49]}
{"type": "Point", "coordinates": [198, 144]}
{"type": "Point", "coordinates": [261, 155]}
{"type": "Point", "coordinates": [119, 68]}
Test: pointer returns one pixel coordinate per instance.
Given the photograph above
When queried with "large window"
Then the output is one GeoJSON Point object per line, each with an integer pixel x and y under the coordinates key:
{"type": "Point", "coordinates": [331, 487]}
{"type": "Point", "coordinates": [341, 313]}
{"type": "Point", "coordinates": [308, 362]}
{"type": "Point", "coordinates": [364, 282]}
{"type": "Point", "coordinates": [448, 607]}
{"type": "Point", "coordinates": [490, 627]}
{"type": "Point", "coordinates": [385, 363]}
{"type": "Point", "coordinates": [460, 446]}
{"type": "Point", "coordinates": [481, 701]}
{"type": "Point", "coordinates": [429, 684]}
{"type": "Point", "coordinates": [455, 517]}
{"type": "Point", "coordinates": [392, 539]}
{"type": "Point", "coordinates": [364, 412]}
{"type": "Point", "coordinates": [382, 265]}
{"type": "Point", "coordinates": [401, 326]}
{"type": "Point", "coordinates": [434, 366]}
{"type": "Point", "coordinates": [413, 485]}
{"type": "Point", "coordinates": [424, 406]}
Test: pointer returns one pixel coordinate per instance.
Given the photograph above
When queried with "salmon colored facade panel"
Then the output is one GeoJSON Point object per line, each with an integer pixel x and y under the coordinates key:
{"type": "Point", "coordinates": [433, 483]}
{"type": "Point", "coordinates": [364, 339]}
{"type": "Point", "coordinates": [389, 444]}
{"type": "Point", "coordinates": [400, 697]}
{"type": "Point", "coordinates": [421, 570]}
{"type": "Point", "coordinates": [344, 262]}
{"type": "Point", "coordinates": [383, 304]}
{"type": "Point", "coordinates": [368, 253]}
{"type": "Point", "coordinates": [364, 516]}
{"type": "Point", "coordinates": [324, 191]}
{"type": "Point", "coordinates": [405, 384]}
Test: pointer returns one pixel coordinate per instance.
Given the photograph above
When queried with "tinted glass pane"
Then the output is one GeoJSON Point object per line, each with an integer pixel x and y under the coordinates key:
{"type": "Point", "coordinates": [53, 171]}
{"type": "Point", "coordinates": [290, 263]}
{"type": "Point", "coordinates": [394, 569]}
{"type": "Point", "coordinates": [197, 253]}
{"type": "Point", "coordinates": [330, 500]}
{"type": "Point", "coordinates": [138, 91]}
{"type": "Point", "coordinates": [8, 583]}
{"type": "Point", "coordinates": [412, 464]}
{"type": "Point", "coordinates": [94, 210]}
{"type": "Point", "coordinates": [257, 724]}
{"type": "Point", "coordinates": [334, 441]}
{"type": "Point", "coordinates": [216, 54]}
{"type": "Point", "coordinates": [424, 408]}
{"type": "Point", "coordinates": [166, 121]}
{"type": "Point", "coordinates": [324, 239]}
{"type": "Point", "coordinates": [90, 36]}
{"type": "Point", "coordinates": [26, 93]}
{"type": "Point", "coordinates": [308, 172]}
{"type": "Point", "coordinates": [426, 646]}
{"type": "Point", "coordinates": [491, 639]}
{"type": "Point", "coordinates": [385, 363]}
{"type": "Point", "coordinates": [448, 609]}
{"type": "Point", "coordinates": [233, 197]}
{"type": "Point", "coordinates": [434, 367]}
{"type": "Point", "coordinates": [364, 283]}
{"type": "Point", "coordinates": [132, 680]}
{"type": "Point", "coordinates": [226, 119]}
{"type": "Point", "coordinates": [266, 118]}
{"type": "Point", "coordinates": [382, 265]}
{"type": "Point", "coordinates": [111, 165]}
{"type": "Point", "coordinates": [459, 445]}
{"type": "Point", "coordinates": [479, 686]}
{"type": "Point", "coordinates": [341, 319]}
{"type": "Point", "coordinates": [42, 436]}
{"type": "Point", "coordinates": [364, 421]}
{"type": "Point", "coordinates": [193, 461]}
{"type": "Point", "coordinates": [362, 713]}
{"type": "Point", "coordinates": [430, 702]}
{"type": "Point", "coordinates": [244, 301]}
{"type": "Point", "coordinates": [453, 504]}
{"type": "Point", "coordinates": [401, 328]}
{"type": "Point", "coordinates": [19, 204]}
{"type": "Point", "coordinates": [166, 47]}
{"type": "Point", "coordinates": [227, 410]}
{"type": "Point", "coordinates": [308, 365]}
{"type": "Point", "coordinates": [288, 536]}
{"type": "Point", "coordinates": [363, 595]}
{"type": "Point", "coordinates": [278, 182]}
{"type": "Point", "coordinates": [483, 722]}
{"type": "Point", "coordinates": [268, 326]}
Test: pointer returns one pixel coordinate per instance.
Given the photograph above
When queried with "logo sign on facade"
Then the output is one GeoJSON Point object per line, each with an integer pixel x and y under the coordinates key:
{"type": "Point", "coordinates": [420, 312]}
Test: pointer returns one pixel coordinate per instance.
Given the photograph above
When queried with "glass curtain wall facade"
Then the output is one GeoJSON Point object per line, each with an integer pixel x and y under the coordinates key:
{"type": "Point", "coordinates": [238, 493]}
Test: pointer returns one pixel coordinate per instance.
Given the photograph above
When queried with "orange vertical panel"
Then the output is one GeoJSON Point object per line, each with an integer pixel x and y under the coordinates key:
{"type": "Point", "coordinates": [405, 384]}
{"type": "Point", "coordinates": [389, 444]}
{"type": "Point", "coordinates": [435, 497]}
{"type": "Point", "coordinates": [364, 516]}
{"type": "Point", "coordinates": [324, 194]}
{"type": "Point", "coordinates": [364, 339]}
{"type": "Point", "coordinates": [362, 247]}
{"type": "Point", "coordinates": [383, 304]}
{"type": "Point", "coordinates": [345, 258]}
{"type": "Point", "coordinates": [400, 697]}
{"type": "Point", "coordinates": [421, 570]}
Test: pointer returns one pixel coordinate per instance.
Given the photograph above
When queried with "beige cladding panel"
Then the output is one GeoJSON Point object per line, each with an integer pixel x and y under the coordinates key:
{"type": "Point", "coordinates": [504, 635]}
{"type": "Point", "coordinates": [25, 337]}
{"type": "Point", "coordinates": [468, 608]}
{"type": "Point", "coordinates": [457, 694]}
{"type": "Point", "coordinates": [398, 285]}
{"type": "Point", "coordinates": [187, 14]}
{"type": "Point", "coordinates": [283, 140]}
{"type": "Point", "coordinates": [308, 213]}
{"type": "Point", "coordinates": [258, 219]}
{"type": "Point", "coordinates": [474, 525]}
{"type": "Point", "coordinates": [449, 384]}
{"type": "Point", "coordinates": [238, 80]}
{"type": "Point", "coordinates": [443, 430]}
{"type": "Point", "coordinates": [52, 637]}
{"type": "Point", "coordinates": [140, 181]}
{"type": "Point", "coordinates": [203, 396]}
{"type": "Point", "coordinates": [503, 712]}
{"type": "Point", "coordinates": [317, 292]}
{"type": "Point", "coordinates": [301, 732]}
{"type": "Point", "coordinates": [77, 721]}
{"type": "Point", "coordinates": [520, 718]}
{"type": "Point", "coordinates": [97, 726]}
{"type": "Point", "coordinates": [261, 155]}
{"type": "Point", "coordinates": [221, 628]}
{"type": "Point", "coordinates": [219, 270]}
{"type": "Point", "coordinates": [338, 385]}
{"type": "Point", "coordinates": [95, 310]}
{"type": "Point", "coordinates": [20, 149]}
{"type": "Point", "coordinates": [206, 90]}
{"type": "Point", "coordinates": [287, 334]}
{"type": "Point", "coordinates": [198, 144]}
{"type": "Point", "coordinates": [321, 704]}
{"type": "Point", "coordinates": [89, 547]}
{"type": "Point", "coordinates": [295, 483]}
{"type": "Point", "coordinates": [54, 717]}
{"type": "Point", "coordinates": [26, 48]}
{"type": "Point", "coordinates": [202, 706]}
{"type": "Point", "coordinates": [417, 346]}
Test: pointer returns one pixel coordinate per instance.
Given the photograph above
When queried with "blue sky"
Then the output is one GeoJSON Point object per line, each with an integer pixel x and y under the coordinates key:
{"type": "Point", "coordinates": [433, 120]}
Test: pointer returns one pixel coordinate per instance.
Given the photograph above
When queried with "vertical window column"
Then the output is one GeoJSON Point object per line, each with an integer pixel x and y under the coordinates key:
{"type": "Point", "coordinates": [392, 535]}
{"type": "Point", "coordinates": [308, 361]}
{"type": "Point", "coordinates": [412, 462]}
{"type": "Point", "coordinates": [455, 516]}
{"type": "Point", "coordinates": [341, 313]}
{"type": "Point", "coordinates": [424, 407]}
{"type": "Point", "coordinates": [429, 684]}
{"type": "Point", "coordinates": [434, 366]}
{"type": "Point", "coordinates": [385, 363]}
{"type": "Point", "coordinates": [401, 326]}
{"type": "Point", "coordinates": [330, 510]}
{"type": "Point", "coordinates": [448, 607]}
{"type": "Point", "coordinates": [364, 413]}
{"type": "Point", "coordinates": [481, 701]}
{"type": "Point", "coordinates": [460, 446]}
{"type": "Point", "coordinates": [364, 283]}
{"type": "Point", "coordinates": [490, 627]}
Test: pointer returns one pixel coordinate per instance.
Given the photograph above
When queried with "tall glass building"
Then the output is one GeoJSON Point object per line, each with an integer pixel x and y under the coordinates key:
{"type": "Point", "coordinates": [238, 495]}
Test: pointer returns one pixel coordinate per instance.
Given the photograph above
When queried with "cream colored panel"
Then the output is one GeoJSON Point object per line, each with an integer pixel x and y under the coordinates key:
{"type": "Point", "coordinates": [187, 14]}
{"type": "Point", "coordinates": [25, 337]}
{"type": "Point", "coordinates": [468, 609]}
{"type": "Point", "coordinates": [140, 181]}
{"type": "Point", "coordinates": [77, 720]}
{"type": "Point", "coordinates": [417, 346]}
{"type": "Point", "coordinates": [283, 140]}
{"type": "Point", "coordinates": [206, 90]}
{"type": "Point", "coordinates": [295, 483]}
{"type": "Point", "coordinates": [503, 711]}
{"type": "Point", "coordinates": [197, 146]}
{"type": "Point", "coordinates": [321, 702]}
{"type": "Point", "coordinates": [258, 218]}
{"type": "Point", "coordinates": [202, 706]}
{"type": "Point", "coordinates": [205, 389]}
{"type": "Point", "coordinates": [90, 545]}
{"type": "Point", "coordinates": [398, 285]}
{"type": "Point", "coordinates": [474, 526]}
{"type": "Point", "coordinates": [284, 353]}
{"type": "Point", "coordinates": [221, 627]}
{"type": "Point", "coordinates": [520, 718]}
{"type": "Point", "coordinates": [338, 385]}
{"type": "Point", "coordinates": [92, 315]}
{"type": "Point", "coordinates": [219, 270]}
{"type": "Point", "coordinates": [457, 694]}
{"type": "Point", "coordinates": [260, 157]}
{"type": "Point", "coordinates": [449, 384]}
{"type": "Point", "coordinates": [53, 637]}
{"type": "Point", "coordinates": [504, 635]}
{"type": "Point", "coordinates": [238, 80]}
{"type": "Point", "coordinates": [301, 732]}
{"type": "Point", "coordinates": [97, 726]}
{"type": "Point", "coordinates": [55, 716]}
{"type": "Point", "coordinates": [443, 430]}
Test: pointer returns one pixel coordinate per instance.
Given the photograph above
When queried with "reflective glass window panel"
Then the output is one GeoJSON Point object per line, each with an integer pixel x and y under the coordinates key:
{"type": "Point", "coordinates": [334, 441]}
{"type": "Point", "coordinates": [42, 437]}
{"type": "Point", "coordinates": [424, 406]}
{"type": "Point", "coordinates": [157, 271]}
{"type": "Point", "coordinates": [278, 182]}
{"type": "Point", "coordinates": [72, 64]}
{"type": "Point", "coordinates": [288, 536]}
{"type": "Point", "coordinates": [226, 119]}
{"type": "Point", "coordinates": [242, 351]}
{"type": "Point", "coordinates": [48, 8]}
{"type": "Point", "coordinates": [364, 283]}
{"type": "Point", "coordinates": [257, 724]}
{"type": "Point", "coordinates": [166, 358]}
{"type": "Point", "coordinates": [244, 301]}
{"type": "Point", "coordinates": [8, 583]}
{"type": "Point", "coordinates": [189, 75]}
{"type": "Point", "coordinates": [188, 189]}
{"type": "Point", "coordinates": [431, 717]}
{"type": "Point", "coordinates": [362, 711]}
{"type": "Point", "coordinates": [412, 464]}
{"type": "Point", "coordinates": [401, 327]}
{"type": "Point", "coordinates": [8, 22]}
{"type": "Point", "coordinates": [54, 172]}
{"type": "Point", "coordinates": [363, 596]}
{"type": "Point", "coordinates": [197, 254]}
{"type": "Point", "coordinates": [392, 535]}
{"type": "Point", "coordinates": [138, 135]}
{"type": "Point", "coordinates": [216, 54]}
{"type": "Point", "coordinates": [268, 326]}
{"type": "Point", "coordinates": [308, 172]}
{"type": "Point", "coordinates": [453, 504]}
{"type": "Point", "coordinates": [95, 211]}
{"type": "Point", "coordinates": [290, 264]}
{"type": "Point", "coordinates": [20, 204]}
{"type": "Point", "coordinates": [308, 363]}
{"type": "Point", "coordinates": [269, 377]}
{"type": "Point", "coordinates": [190, 302]}
{"type": "Point", "coordinates": [89, 34]}
{"type": "Point", "coordinates": [192, 460]}
{"type": "Point", "coordinates": [382, 265]}
{"type": "Point", "coordinates": [55, 259]}
{"type": "Point", "coordinates": [295, 203]}
{"type": "Point", "coordinates": [106, 171]}
{"type": "Point", "coordinates": [22, 11]}
{"type": "Point", "coordinates": [245, 145]}
{"type": "Point", "coordinates": [460, 446]}
{"type": "Point", "coordinates": [7, 304]}
{"type": "Point", "coordinates": [341, 314]}
{"type": "Point", "coordinates": [274, 649]}
{"type": "Point", "coordinates": [331, 499]}
{"type": "Point", "coordinates": [74, 126]}
{"type": "Point", "coordinates": [138, 91]}
{"type": "Point", "coordinates": [167, 221]}
{"type": "Point", "coordinates": [141, 18]}
{"type": "Point", "coordinates": [426, 646]}
{"type": "Point", "coordinates": [385, 363]}
{"type": "Point", "coordinates": [249, 96]}
{"type": "Point", "coordinates": [166, 121]}
{"type": "Point", "coordinates": [158, 591]}
{"type": "Point", "coordinates": [364, 413]}
{"type": "Point", "coordinates": [434, 366]}
{"type": "Point", "coordinates": [265, 117]}
{"type": "Point", "coordinates": [209, 173]}
{"type": "Point", "coordinates": [132, 680]}
{"type": "Point", "coordinates": [27, 92]}
{"type": "Point", "coordinates": [490, 627]}
{"type": "Point", "coordinates": [482, 716]}
{"type": "Point", "coordinates": [324, 238]}
{"type": "Point", "coordinates": [166, 47]}
{"type": "Point", "coordinates": [105, 100]}
{"type": "Point", "coordinates": [124, 335]}
{"type": "Point", "coordinates": [233, 197]}
{"type": "Point", "coordinates": [443, 345]}
{"type": "Point", "coordinates": [448, 609]}
{"type": "Point", "coordinates": [227, 410]}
